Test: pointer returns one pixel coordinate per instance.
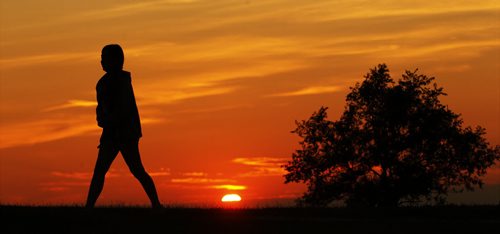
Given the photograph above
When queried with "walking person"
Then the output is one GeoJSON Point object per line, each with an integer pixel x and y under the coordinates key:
{"type": "Point", "coordinates": [118, 116]}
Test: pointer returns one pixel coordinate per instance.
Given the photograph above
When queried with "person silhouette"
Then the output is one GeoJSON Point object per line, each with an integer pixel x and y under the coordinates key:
{"type": "Point", "coordinates": [118, 116]}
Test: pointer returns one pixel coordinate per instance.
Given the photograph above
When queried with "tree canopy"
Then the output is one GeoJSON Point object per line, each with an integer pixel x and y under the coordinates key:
{"type": "Point", "coordinates": [395, 143]}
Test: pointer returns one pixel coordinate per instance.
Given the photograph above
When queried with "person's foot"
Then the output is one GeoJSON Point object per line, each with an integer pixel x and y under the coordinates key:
{"type": "Point", "coordinates": [156, 206]}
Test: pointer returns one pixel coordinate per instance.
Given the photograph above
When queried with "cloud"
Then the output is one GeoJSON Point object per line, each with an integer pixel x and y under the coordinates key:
{"type": "Point", "coordinates": [162, 172]}
{"type": "Point", "coordinates": [71, 104]}
{"type": "Point", "coordinates": [62, 186]}
{"type": "Point", "coordinates": [216, 60]}
{"type": "Point", "coordinates": [73, 175]}
{"type": "Point", "coordinates": [156, 97]}
{"type": "Point", "coordinates": [261, 161]}
{"type": "Point", "coordinates": [214, 109]}
{"type": "Point", "coordinates": [227, 47]}
{"type": "Point", "coordinates": [194, 174]}
{"type": "Point", "coordinates": [262, 166]}
{"type": "Point", "coordinates": [309, 91]}
{"type": "Point", "coordinates": [55, 189]}
{"type": "Point", "coordinates": [229, 187]}
{"type": "Point", "coordinates": [159, 173]}
{"type": "Point", "coordinates": [359, 10]}
{"type": "Point", "coordinates": [197, 180]}
{"type": "Point", "coordinates": [218, 54]}
{"type": "Point", "coordinates": [131, 8]}
{"type": "Point", "coordinates": [65, 183]}
{"type": "Point", "coordinates": [52, 128]}
{"type": "Point", "coordinates": [49, 58]}
{"type": "Point", "coordinates": [264, 171]}
{"type": "Point", "coordinates": [426, 50]}
{"type": "Point", "coordinates": [43, 130]}
{"type": "Point", "coordinates": [81, 175]}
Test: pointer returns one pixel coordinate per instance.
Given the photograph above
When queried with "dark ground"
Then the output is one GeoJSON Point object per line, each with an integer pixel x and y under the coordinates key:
{"type": "Point", "coordinates": [447, 219]}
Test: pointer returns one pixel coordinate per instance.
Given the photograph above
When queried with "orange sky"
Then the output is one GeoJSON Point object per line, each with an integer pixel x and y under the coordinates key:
{"type": "Point", "coordinates": [219, 85]}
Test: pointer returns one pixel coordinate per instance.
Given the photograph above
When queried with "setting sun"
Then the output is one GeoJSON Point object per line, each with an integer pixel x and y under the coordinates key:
{"type": "Point", "coordinates": [231, 198]}
{"type": "Point", "coordinates": [219, 89]}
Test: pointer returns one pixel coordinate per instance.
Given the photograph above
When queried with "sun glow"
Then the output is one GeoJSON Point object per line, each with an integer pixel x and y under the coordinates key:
{"type": "Point", "coordinates": [231, 198]}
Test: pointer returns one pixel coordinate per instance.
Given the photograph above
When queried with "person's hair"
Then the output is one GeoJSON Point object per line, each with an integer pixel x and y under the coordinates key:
{"type": "Point", "coordinates": [112, 57]}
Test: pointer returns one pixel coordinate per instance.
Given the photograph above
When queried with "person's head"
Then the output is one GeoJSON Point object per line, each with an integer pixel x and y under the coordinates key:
{"type": "Point", "coordinates": [112, 58]}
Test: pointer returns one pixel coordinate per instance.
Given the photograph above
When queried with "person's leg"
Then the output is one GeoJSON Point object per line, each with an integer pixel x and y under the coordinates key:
{"type": "Point", "coordinates": [107, 153]}
{"type": "Point", "coordinates": [130, 152]}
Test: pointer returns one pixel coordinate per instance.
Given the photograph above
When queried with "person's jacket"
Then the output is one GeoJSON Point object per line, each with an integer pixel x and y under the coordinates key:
{"type": "Point", "coordinates": [116, 109]}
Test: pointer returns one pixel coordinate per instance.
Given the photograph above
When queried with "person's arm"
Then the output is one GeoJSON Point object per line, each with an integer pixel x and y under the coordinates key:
{"type": "Point", "coordinates": [136, 117]}
{"type": "Point", "coordinates": [132, 108]}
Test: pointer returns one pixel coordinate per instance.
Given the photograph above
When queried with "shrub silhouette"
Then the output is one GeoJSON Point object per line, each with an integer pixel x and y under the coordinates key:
{"type": "Point", "coordinates": [395, 143]}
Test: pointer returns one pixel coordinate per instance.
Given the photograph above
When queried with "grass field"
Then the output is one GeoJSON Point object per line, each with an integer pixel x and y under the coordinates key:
{"type": "Point", "coordinates": [446, 219]}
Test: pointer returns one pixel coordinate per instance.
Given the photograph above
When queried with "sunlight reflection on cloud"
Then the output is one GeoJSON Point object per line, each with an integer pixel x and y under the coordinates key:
{"type": "Point", "coordinates": [229, 187]}
{"type": "Point", "coordinates": [309, 91]}
{"type": "Point", "coordinates": [196, 180]}
{"type": "Point", "coordinates": [262, 166]}
{"type": "Point", "coordinates": [72, 103]}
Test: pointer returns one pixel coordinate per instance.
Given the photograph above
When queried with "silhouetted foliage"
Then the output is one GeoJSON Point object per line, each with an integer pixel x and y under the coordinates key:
{"type": "Point", "coordinates": [395, 143]}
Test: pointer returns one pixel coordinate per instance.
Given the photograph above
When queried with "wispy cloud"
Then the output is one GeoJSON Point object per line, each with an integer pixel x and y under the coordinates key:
{"type": "Point", "coordinates": [65, 183]}
{"type": "Point", "coordinates": [72, 103]}
{"type": "Point", "coordinates": [50, 128]}
{"type": "Point", "coordinates": [55, 188]}
{"type": "Point", "coordinates": [262, 166]}
{"type": "Point", "coordinates": [49, 58]}
{"type": "Point", "coordinates": [62, 186]}
{"type": "Point", "coordinates": [263, 171]}
{"type": "Point", "coordinates": [214, 109]}
{"type": "Point", "coordinates": [194, 174]}
{"type": "Point", "coordinates": [261, 161]}
{"type": "Point", "coordinates": [197, 180]}
{"type": "Point", "coordinates": [159, 173]}
{"type": "Point", "coordinates": [156, 97]}
{"type": "Point", "coordinates": [81, 175]}
{"type": "Point", "coordinates": [219, 59]}
{"type": "Point", "coordinates": [389, 9]}
{"type": "Point", "coordinates": [132, 8]}
{"type": "Point", "coordinates": [309, 91]}
{"type": "Point", "coordinates": [162, 172]}
{"type": "Point", "coordinates": [426, 50]}
{"type": "Point", "coordinates": [73, 175]}
{"type": "Point", "coordinates": [229, 187]}
{"type": "Point", "coordinates": [37, 131]}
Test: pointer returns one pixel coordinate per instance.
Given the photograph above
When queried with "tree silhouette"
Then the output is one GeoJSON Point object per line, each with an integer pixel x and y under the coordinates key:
{"type": "Point", "coordinates": [395, 143]}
